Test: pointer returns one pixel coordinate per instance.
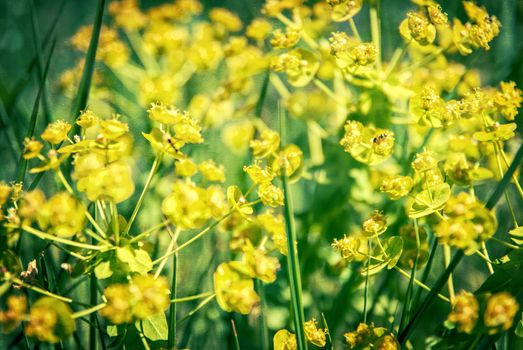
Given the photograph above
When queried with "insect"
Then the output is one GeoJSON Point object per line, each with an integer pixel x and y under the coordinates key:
{"type": "Point", "coordinates": [379, 138]}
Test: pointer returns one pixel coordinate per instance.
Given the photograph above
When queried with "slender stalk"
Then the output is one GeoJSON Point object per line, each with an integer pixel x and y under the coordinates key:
{"type": "Point", "coordinates": [197, 308]}
{"type": "Point", "coordinates": [450, 283]}
{"type": "Point", "coordinates": [114, 223]}
{"type": "Point", "coordinates": [143, 338]}
{"type": "Point", "coordinates": [153, 170]}
{"type": "Point", "coordinates": [47, 236]}
{"type": "Point", "coordinates": [419, 283]}
{"type": "Point", "coordinates": [149, 231]}
{"type": "Point", "coordinates": [376, 30]}
{"type": "Point", "coordinates": [366, 289]}
{"type": "Point", "coordinates": [88, 312]}
{"type": "Point", "coordinates": [235, 333]}
{"type": "Point", "coordinates": [41, 291]}
{"type": "Point", "coordinates": [164, 260]}
{"type": "Point", "coordinates": [171, 336]}
{"type": "Point", "coordinates": [192, 297]}
{"type": "Point", "coordinates": [192, 240]}
{"type": "Point", "coordinates": [292, 256]}
{"type": "Point", "coordinates": [354, 29]}
{"type": "Point", "coordinates": [488, 261]}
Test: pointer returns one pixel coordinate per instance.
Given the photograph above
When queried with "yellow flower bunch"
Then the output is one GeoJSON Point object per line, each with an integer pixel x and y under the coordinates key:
{"type": "Point", "coordinates": [143, 297]}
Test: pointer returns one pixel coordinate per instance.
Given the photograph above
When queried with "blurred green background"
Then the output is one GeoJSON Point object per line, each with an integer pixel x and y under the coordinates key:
{"type": "Point", "coordinates": [17, 47]}
{"type": "Point", "coordinates": [18, 90]}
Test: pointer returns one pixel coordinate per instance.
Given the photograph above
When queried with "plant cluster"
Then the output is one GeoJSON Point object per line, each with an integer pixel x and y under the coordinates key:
{"type": "Point", "coordinates": [397, 162]}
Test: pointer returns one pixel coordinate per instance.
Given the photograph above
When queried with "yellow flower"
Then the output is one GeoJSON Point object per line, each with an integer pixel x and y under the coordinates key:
{"type": "Point", "coordinates": [500, 312]}
{"type": "Point", "coordinates": [290, 160]}
{"type": "Point", "coordinates": [186, 205]}
{"type": "Point", "coordinates": [112, 182]}
{"type": "Point", "coordinates": [424, 161]}
{"type": "Point", "coordinates": [143, 297]}
{"type": "Point", "coordinates": [120, 301]}
{"type": "Point", "coordinates": [237, 136]}
{"type": "Point", "coordinates": [56, 132]}
{"type": "Point", "coordinates": [50, 320]}
{"type": "Point", "coordinates": [508, 99]}
{"type": "Point", "coordinates": [212, 172]}
{"type": "Point", "coordinates": [352, 248]}
{"type": "Point", "coordinates": [290, 38]}
{"type": "Point", "coordinates": [270, 195]}
{"type": "Point", "coordinates": [275, 225]}
{"type": "Point", "coordinates": [464, 312]}
{"type": "Point", "coordinates": [230, 21]}
{"type": "Point", "coordinates": [234, 288]}
{"type": "Point", "coordinates": [417, 27]}
{"type": "Point", "coordinates": [152, 294]}
{"type": "Point", "coordinates": [260, 265]}
{"type": "Point", "coordinates": [258, 29]}
{"type": "Point", "coordinates": [375, 225]}
{"type": "Point", "coordinates": [87, 119]}
{"type": "Point", "coordinates": [13, 316]}
{"type": "Point", "coordinates": [5, 191]}
{"type": "Point", "coordinates": [31, 205]}
{"type": "Point", "coordinates": [257, 174]}
{"type": "Point", "coordinates": [113, 128]}
{"type": "Point", "coordinates": [62, 215]}
{"type": "Point", "coordinates": [284, 340]}
{"type": "Point", "coordinates": [186, 167]}
{"type": "Point", "coordinates": [315, 335]}
{"type": "Point", "coordinates": [127, 14]}
{"type": "Point", "coordinates": [32, 148]}
{"type": "Point", "coordinates": [267, 144]}
{"type": "Point", "coordinates": [396, 186]}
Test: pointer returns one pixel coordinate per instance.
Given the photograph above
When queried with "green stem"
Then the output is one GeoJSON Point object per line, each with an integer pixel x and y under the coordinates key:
{"type": "Point", "coordinates": [88, 311]}
{"type": "Point", "coordinates": [192, 297]}
{"type": "Point", "coordinates": [149, 231]}
{"type": "Point", "coordinates": [153, 170]}
{"type": "Point", "coordinates": [354, 29]}
{"type": "Point", "coordinates": [192, 240]}
{"type": "Point", "coordinates": [292, 256]}
{"type": "Point", "coordinates": [419, 283]}
{"type": "Point", "coordinates": [376, 30]}
{"type": "Point", "coordinates": [171, 336]}
{"type": "Point", "coordinates": [41, 291]}
{"type": "Point", "coordinates": [47, 236]}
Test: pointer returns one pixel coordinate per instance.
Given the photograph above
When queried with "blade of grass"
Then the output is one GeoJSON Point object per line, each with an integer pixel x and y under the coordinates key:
{"type": "Point", "coordinates": [34, 113]}
{"type": "Point", "coordinates": [263, 94]}
{"type": "Point", "coordinates": [171, 334]}
{"type": "Point", "coordinates": [235, 333]}
{"type": "Point", "coordinates": [264, 331]}
{"type": "Point", "coordinates": [491, 202]}
{"type": "Point", "coordinates": [292, 256]}
{"type": "Point", "coordinates": [39, 61]}
{"type": "Point", "coordinates": [21, 84]}
{"type": "Point", "coordinates": [82, 95]}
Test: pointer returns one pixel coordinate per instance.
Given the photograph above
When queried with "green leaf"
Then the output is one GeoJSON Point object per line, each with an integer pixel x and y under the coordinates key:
{"type": "Point", "coordinates": [137, 260]}
{"type": "Point", "coordinates": [112, 330]}
{"type": "Point", "coordinates": [428, 201]}
{"type": "Point", "coordinates": [142, 262]}
{"type": "Point", "coordinates": [519, 328]}
{"type": "Point", "coordinates": [125, 255]}
{"type": "Point", "coordinates": [389, 256]}
{"type": "Point", "coordinates": [516, 235]}
{"type": "Point", "coordinates": [103, 270]}
{"type": "Point", "coordinates": [154, 327]}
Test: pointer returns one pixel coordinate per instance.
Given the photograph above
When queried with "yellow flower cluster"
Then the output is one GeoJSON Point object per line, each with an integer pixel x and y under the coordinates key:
{"type": "Point", "coordinates": [143, 297]}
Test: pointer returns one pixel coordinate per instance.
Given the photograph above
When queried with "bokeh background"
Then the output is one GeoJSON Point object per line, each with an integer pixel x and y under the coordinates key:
{"type": "Point", "coordinates": [18, 89]}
